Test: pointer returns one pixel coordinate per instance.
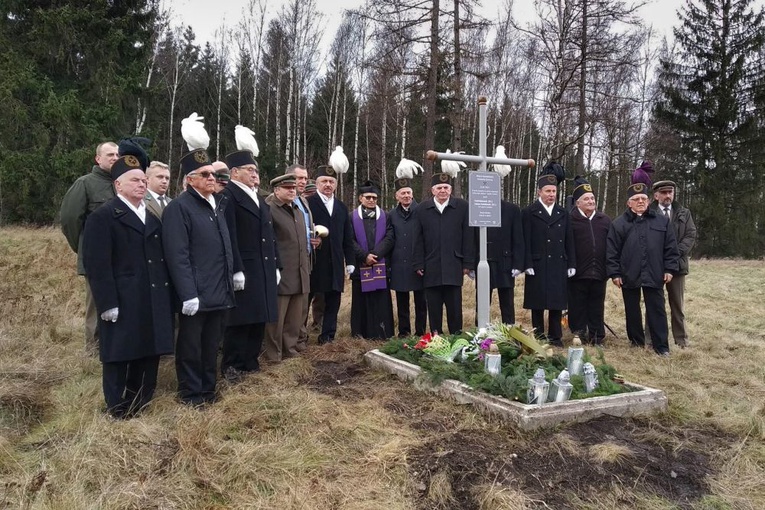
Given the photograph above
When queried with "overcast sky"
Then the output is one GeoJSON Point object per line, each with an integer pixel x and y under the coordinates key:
{"type": "Point", "coordinates": [206, 16]}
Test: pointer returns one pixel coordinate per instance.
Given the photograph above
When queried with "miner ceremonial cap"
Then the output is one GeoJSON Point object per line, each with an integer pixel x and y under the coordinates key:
{"type": "Point", "coordinates": [125, 164]}
{"type": "Point", "coordinates": [194, 160]}
{"type": "Point", "coordinates": [403, 182]}
{"type": "Point", "coordinates": [326, 171]}
{"type": "Point", "coordinates": [638, 188]}
{"type": "Point", "coordinates": [240, 158]}
{"type": "Point", "coordinates": [552, 174]}
{"type": "Point", "coordinates": [369, 187]}
{"type": "Point", "coordinates": [664, 186]}
{"type": "Point", "coordinates": [581, 186]}
{"type": "Point", "coordinates": [440, 179]}
{"type": "Point", "coordinates": [285, 181]}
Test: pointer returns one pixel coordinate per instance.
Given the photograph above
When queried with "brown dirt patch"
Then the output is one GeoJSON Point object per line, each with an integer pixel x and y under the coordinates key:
{"type": "Point", "coordinates": [336, 378]}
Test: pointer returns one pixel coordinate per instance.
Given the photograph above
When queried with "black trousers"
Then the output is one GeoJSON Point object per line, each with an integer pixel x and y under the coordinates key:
{"type": "Point", "coordinates": [554, 328]}
{"type": "Point", "coordinates": [404, 317]}
{"type": "Point", "coordinates": [438, 297]}
{"type": "Point", "coordinates": [241, 346]}
{"type": "Point", "coordinates": [586, 303]}
{"type": "Point", "coordinates": [506, 304]}
{"type": "Point", "coordinates": [129, 385]}
{"type": "Point", "coordinates": [329, 322]}
{"type": "Point", "coordinates": [656, 317]}
{"type": "Point", "coordinates": [196, 355]}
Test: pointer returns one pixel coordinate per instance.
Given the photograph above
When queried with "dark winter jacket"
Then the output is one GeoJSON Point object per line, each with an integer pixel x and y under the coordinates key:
{"type": "Point", "coordinates": [403, 278]}
{"type": "Point", "coordinates": [505, 247]}
{"type": "Point", "coordinates": [590, 245]}
{"type": "Point", "coordinates": [336, 250]}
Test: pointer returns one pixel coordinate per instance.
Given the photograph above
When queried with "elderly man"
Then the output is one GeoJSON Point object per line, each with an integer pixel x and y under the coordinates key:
{"type": "Point", "coordinates": [248, 218]}
{"type": "Point", "coordinates": [158, 177]}
{"type": "Point", "coordinates": [200, 259]}
{"type": "Point", "coordinates": [371, 308]}
{"type": "Point", "coordinates": [403, 278]}
{"type": "Point", "coordinates": [641, 255]}
{"type": "Point", "coordinates": [87, 194]}
{"type": "Point", "coordinates": [334, 258]}
{"type": "Point", "coordinates": [444, 252]}
{"type": "Point", "coordinates": [124, 260]}
{"type": "Point", "coordinates": [685, 233]}
{"type": "Point", "coordinates": [550, 258]}
{"type": "Point", "coordinates": [289, 227]}
{"type": "Point", "coordinates": [587, 288]}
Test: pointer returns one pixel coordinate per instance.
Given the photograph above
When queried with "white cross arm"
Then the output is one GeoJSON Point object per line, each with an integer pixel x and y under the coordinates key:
{"type": "Point", "coordinates": [467, 158]}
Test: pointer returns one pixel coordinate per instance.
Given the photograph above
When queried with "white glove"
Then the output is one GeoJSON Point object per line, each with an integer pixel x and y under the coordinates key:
{"type": "Point", "coordinates": [515, 273]}
{"type": "Point", "coordinates": [190, 307]}
{"type": "Point", "coordinates": [530, 271]}
{"type": "Point", "coordinates": [111, 315]}
{"type": "Point", "coordinates": [278, 276]}
{"type": "Point", "coordinates": [349, 269]}
{"type": "Point", "coordinates": [238, 281]}
{"type": "Point", "coordinates": [571, 272]}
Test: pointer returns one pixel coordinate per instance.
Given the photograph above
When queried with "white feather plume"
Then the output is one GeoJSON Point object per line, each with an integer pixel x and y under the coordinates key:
{"type": "Point", "coordinates": [245, 140]}
{"type": "Point", "coordinates": [194, 133]}
{"type": "Point", "coordinates": [407, 169]}
{"type": "Point", "coordinates": [502, 170]}
{"type": "Point", "coordinates": [339, 161]}
{"type": "Point", "coordinates": [452, 167]}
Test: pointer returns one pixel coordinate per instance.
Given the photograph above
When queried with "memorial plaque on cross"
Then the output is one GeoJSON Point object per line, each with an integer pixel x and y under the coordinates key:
{"type": "Point", "coordinates": [482, 272]}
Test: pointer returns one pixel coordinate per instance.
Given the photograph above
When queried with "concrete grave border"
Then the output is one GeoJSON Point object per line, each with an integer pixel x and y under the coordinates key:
{"type": "Point", "coordinates": [527, 417]}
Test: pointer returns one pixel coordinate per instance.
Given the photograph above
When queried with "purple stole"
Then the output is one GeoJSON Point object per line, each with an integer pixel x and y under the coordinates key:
{"type": "Point", "coordinates": [374, 277]}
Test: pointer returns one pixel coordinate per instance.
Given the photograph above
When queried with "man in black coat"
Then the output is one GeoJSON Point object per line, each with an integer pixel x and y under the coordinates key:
{"type": "Point", "coordinates": [334, 257]}
{"type": "Point", "coordinates": [549, 259]}
{"type": "Point", "coordinates": [253, 245]}
{"type": "Point", "coordinates": [587, 288]}
{"type": "Point", "coordinates": [124, 262]}
{"type": "Point", "coordinates": [200, 259]}
{"type": "Point", "coordinates": [403, 279]}
{"type": "Point", "coordinates": [504, 252]}
{"type": "Point", "coordinates": [641, 254]}
{"type": "Point", "coordinates": [444, 252]}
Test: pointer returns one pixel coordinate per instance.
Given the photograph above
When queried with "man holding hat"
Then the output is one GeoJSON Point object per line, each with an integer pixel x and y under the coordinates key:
{"type": "Point", "coordinates": [282, 336]}
{"type": "Point", "coordinates": [125, 267]}
{"type": "Point", "coordinates": [334, 258]}
{"type": "Point", "coordinates": [641, 255]}
{"type": "Point", "coordinates": [403, 278]}
{"type": "Point", "coordinates": [550, 258]}
{"type": "Point", "coordinates": [444, 252]}
{"type": "Point", "coordinates": [371, 308]}
{"type": "Point", "coordinates": [685, 232]}
{"type": "Point", "coordinates": [200, 259]}
{"type": "Point", "coordinates": [587, 288]}
{"type": "Point", "coordinates": [253, 245]}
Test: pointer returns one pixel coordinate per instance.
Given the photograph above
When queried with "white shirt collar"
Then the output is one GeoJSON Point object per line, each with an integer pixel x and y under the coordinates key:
{"type": "Point", "coordinates": [329, 202]}
{"type": "Point", "coordinates": [441, 207]}
{"type": "Point", "coordinates": [140, 211]}
{"type": "Point", "coordinates": [548, 209]}
{"type": "Point", "coordinates": [590, 217]}
{"type": "Point", "coordinates": [251, 192]}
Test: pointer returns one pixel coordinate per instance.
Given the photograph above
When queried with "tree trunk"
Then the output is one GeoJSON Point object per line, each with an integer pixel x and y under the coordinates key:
{"type": "Point", "coordinates": [432, 90]}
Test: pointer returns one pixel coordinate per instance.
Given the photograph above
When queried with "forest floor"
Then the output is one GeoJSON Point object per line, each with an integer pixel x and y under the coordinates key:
{"type": "Point", "coordinates": [324, 431]}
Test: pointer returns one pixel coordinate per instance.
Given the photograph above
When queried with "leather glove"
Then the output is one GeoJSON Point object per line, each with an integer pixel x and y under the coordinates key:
{"type": "Point", "coordinates": [190, 307]}
{"type": "Point", "coordinates": [111, 315]}
{"type": "Point", "coordinates": [349, 269]}
{"type": "Point", "coordinates": [239, 281]}
{"type": "Point", "coordinates": [515, 273]}
{"type": "Point", "coordinates": [571, 271]}
{"type": "Point", "coordinates": [278, 276]}
{"type": "Point", "coordinates": [530, 271]}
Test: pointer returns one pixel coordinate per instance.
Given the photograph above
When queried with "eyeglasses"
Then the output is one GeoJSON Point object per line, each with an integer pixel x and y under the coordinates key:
{"type": "Point", "coordinates": [369, 197]}
{"type": "Point", "coordinates": [204, 174]}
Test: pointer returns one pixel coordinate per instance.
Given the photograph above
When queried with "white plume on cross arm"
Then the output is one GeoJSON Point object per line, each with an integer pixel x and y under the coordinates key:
{"type": "Point", "coordinates": [194, 133]}
{"type": "Point", "coordinates": [407, 168]}
{"type": "Point", "coordinates": [503, 170]}
{"type": "Point", "coordinates": [452, 167]}
{"type": "Point", "coordinates": [339, 161]}
{"type": "Point", "coordinates": [245, 140]}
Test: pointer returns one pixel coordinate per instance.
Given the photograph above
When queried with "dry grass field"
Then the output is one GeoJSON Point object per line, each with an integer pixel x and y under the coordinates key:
{"type": "Point", "coordinates": [325, 432]}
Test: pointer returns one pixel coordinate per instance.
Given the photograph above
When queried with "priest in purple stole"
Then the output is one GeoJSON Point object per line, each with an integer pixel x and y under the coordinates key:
{"type": "Point", "coordinates": [372, 308]}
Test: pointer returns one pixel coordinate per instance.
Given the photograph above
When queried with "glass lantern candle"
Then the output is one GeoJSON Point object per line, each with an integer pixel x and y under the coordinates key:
{"type": "Point", "coordinates": [538, 389]}
{"type": "Point", "coordinates": [590, 378]}
{"type": "Point", "coordinates": [560, 389]}
{"type": "Point", "coordinates": [575, 360]}
{"type": "Point", "coordinates": [493, 361]}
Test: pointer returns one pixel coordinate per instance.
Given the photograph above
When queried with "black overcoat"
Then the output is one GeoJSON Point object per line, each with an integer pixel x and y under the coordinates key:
{"type": "Point", "coordinates": [198, 250]}
{"type": "Point", "coordinates": [253, 246]}
{"type": "Point", "coordinates": [590, 244]}
{"type": "Point", "coordinates": [640, 249]}
{"type": "Point", "coordinates": [403, 277]}
{"type": "Point", "coordinates": [504, 247]}
{"type": "Point", "coordinates": [336, 250]}
{"type": "Point", "coordinates": [125, 267]}
{"type": "Point", "coordinates": [550, 252]}
{"type": "Point", "coordinates": [444, 243]}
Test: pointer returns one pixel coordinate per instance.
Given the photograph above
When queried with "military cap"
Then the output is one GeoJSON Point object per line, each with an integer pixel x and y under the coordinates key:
{"type": "Point", "coordinates": [286, 180]}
